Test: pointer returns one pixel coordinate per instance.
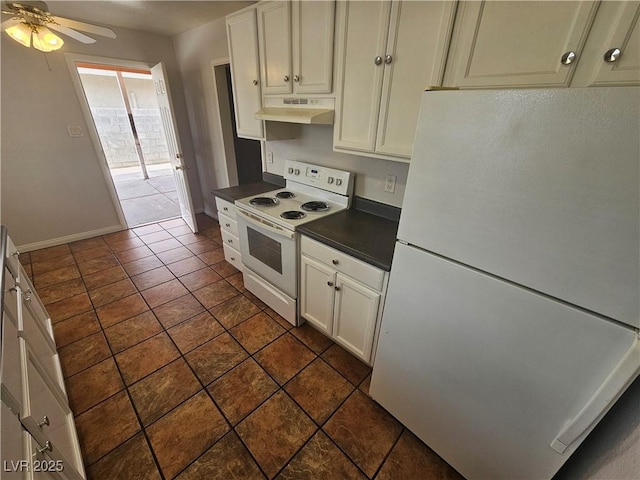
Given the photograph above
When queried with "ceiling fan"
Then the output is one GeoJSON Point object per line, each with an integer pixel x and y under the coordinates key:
{"type": "Point", "coordinates": [30, 23]}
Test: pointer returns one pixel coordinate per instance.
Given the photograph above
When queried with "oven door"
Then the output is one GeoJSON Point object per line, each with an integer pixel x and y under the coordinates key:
{"type": "Point", "coordinates": [268, 250]}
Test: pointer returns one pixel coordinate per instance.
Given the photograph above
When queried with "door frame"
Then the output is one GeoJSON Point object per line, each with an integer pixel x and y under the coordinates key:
{"type": "Point", "coordinates": [224, 117]}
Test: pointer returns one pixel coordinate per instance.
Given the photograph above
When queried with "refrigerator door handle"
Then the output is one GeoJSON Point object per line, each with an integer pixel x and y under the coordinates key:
{"type": "Point", "coordinates": [625, 372]}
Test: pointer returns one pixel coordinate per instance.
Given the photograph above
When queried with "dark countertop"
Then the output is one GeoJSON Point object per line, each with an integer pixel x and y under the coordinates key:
{"type": "Point", "coordinates": [232, 194]}
{"type": "Point", "coordinates": [362, 235]}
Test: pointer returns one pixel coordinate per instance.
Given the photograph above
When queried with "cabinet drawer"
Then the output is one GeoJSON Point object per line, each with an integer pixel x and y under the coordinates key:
{"type": "Point", "coordinates": [11, 377]}
{"type": "Point", "coordinates": [230, 240]}
{"type": "Point", "coordinates": [225, 208]}
{"type": "Point", "coordinates": [228, 224]}
{"type": "Point", "coordinates": [11, 296]}
{"type": "Point", "coordinates": [232, 256]}
{"type": "Point", "coordinates": [359, 270]}
{"type": "Point", "coordinates": [13, 260]}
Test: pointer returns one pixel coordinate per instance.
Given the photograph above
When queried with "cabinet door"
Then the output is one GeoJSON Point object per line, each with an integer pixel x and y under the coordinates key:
{"type": "Point", "coordinates": [313, 25]}
{"type": "Point", "coordinates": [242, 37]}
{"type": "Point", "coordinates": [363, 28]}
{"type": "Point", "coordinates": [615, 26]}
{"type": "Point", "coordinates": [11, 446]}
{"type": "Point", "coordinates": [418, 40]}
{"type": "Point", "coordinates": [356, 310]}
{"type": "Point", "coordinates": [517, 44]}
{"type": "Point", "coordinates": [317, 291]}
{"type": "Point", "coordinates": [274, 39]}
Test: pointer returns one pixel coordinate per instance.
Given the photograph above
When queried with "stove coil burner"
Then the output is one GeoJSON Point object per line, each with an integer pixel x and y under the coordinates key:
{"type": "Point", "coordinates": [264, 201]}
{"type": "Point", "coordinates": [285, 194]}
{"type": "Point", "coordinates": [293, 215]}
{"type": "Point", "coordinates": [315, 206]}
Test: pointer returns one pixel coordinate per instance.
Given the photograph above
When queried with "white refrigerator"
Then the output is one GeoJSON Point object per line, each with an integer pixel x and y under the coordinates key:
{"type": "Point", "coordinates": [512, 315]}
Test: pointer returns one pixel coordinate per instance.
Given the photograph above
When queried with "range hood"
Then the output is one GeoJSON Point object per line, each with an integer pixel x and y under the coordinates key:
{"type": "Point", "coordinates": [316, 111]}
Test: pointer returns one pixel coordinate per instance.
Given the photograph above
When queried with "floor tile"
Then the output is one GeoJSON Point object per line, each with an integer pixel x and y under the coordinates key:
{"type": "Point", "coordinates": [69, 307]}
{"type": "Point", "coordinates": [75, 328]}
{"type": "Point", "coordinates": [212, 256]}
{"type": "Point", "coordinates": [84, 256]}
{"type": "Point", "coordinates": [185, 433]}
{"type": "Point", "coordinates": [226, 459]}
{"type": "Point", "coordinates": [224, 269]}
{"type": "Point", "coordinates": [54, 263]}
{"type": "Point", "coordinates": [256, 332]}
{"type": "Point", "coordinates": [104, 277]}
{"type": "Point", "coordinates": [216, 293]}
{"type": "Point", "coordinates": [112, 292]}
{"type": "Point", "coordinates": [142, 265]}
{"type": "Point", "coordinates": [152, 278]}
{"type": "Point", "coordinates": [112, 238]}
{"type": "Point", "coordinates": [216, 357]}
{"type": "Point", "coordinates": [410, 458]}
{"type": "Point", "coordinates": [195, 331]}
{"type": "Point", "coordinates": [275, 431]}
{"type": "Point", "coordinates": [319, 390]}
{"type": "Point", "coordinates": [130, 461]}
{"type": "Point", "coordinates": [259, 303]}
{"type": "Point", "coordinates": [132, 331]}
{"type": "Point", "coordinates": [105, 426]}
{"type": "Point", "coordinates": [98, 264]}
{"type": "Point", "coordinates": [178, 310]}
{"type": "Point", "coordinates": [173, 223]}
{"type": "Point", "coordinates": [126, 244]}
{"type": "Point", "coordinates": [147, 229]}
{"type": "Point", "coordinates": [87, 244]}
{"type": "Point", "coordinates": [200, 278]}
{"type": "Point", "coordinates": [283, 323]}
{"type": "Point", "coordinates": [320, 458]}
{"type": "Point", "coordinates": [163, 390]}
{"type": "Point", "coordinates": [364, 431]}
{"type": "Point", "coordinates": [162, 246]}
{"type": "Point", "coordinates": [120, 310]}
{"type": "Point", "coordinates": [174, 255]}
{"type": "Point", "coordinates": [49, 253]}
{"type": "Point", "coordinates": [164, 293]}
{"type": "Point", "coordinates": [56, 276]}
{"type": "Point", "coordinates": [241, 390]}
{"type": "Point", "coordinates": [353, 369]}
{"type": "Point", "coordinates": [234, 311]}
{"type": "Point", "coordinates": [25, 259]}
{"type": "Point", "coordinates": [177, 231]}
{"type": "Point", "coordinates": [189, 237]}
{"type": "Point", "coordinates": [60, 291]}
{"type": "Point", "coordinates": [284, 358]}
{"type": "Point", "coordinates": [146, 357]}
{"type": "Point", "coordinates": [202, 247]}
{"type": "Point", "coordinates": [188, 265]}
{"type": "Point", "coordinates": [312, 338]}
{"type": "Point", "coordinates": [93, 385]}
{"type": "Point", "coordinates": [83, 354]}
{"type": "Point", "coordinates": [364, 386]}
{"type": "Point", "coordinates": [155, 237]}
{"type": "Point", "coordinates": [237, 281]}
{"type": "Point", "coordinates": [132, 254]}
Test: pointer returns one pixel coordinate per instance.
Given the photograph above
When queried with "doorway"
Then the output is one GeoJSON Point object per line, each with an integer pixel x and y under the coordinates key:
{"type": "Point", "coordinates": [124, 108]}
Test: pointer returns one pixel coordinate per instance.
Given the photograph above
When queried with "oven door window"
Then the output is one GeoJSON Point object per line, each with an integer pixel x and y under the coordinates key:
{"type": "Point", "coordinates": [265, 249]}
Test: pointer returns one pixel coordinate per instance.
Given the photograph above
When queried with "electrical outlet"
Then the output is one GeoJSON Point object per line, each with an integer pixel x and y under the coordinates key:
{"type": "Point", "coordinates": [269, 157]}
{"type": "Point", "coordinates": [74, 131]}
{"type": "Point", "coordinates": [390, 183]}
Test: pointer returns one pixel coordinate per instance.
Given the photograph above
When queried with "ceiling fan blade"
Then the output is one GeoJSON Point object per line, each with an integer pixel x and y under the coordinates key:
{"type": "Point", "coordinates": [85, 27]}
{"type": "Point", "coordinates": [9, 23]}
{"type": "Point", "coordinates": [81, 37]}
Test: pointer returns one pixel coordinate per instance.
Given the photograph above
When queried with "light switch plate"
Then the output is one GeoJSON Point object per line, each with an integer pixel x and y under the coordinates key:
{"type": "Point", "coordinates": [75, 131]}
{"type": "Point", "coordinates": [390, 183]}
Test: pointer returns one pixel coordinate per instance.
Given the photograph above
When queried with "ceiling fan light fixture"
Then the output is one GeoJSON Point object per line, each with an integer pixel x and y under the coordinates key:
{"type": "Point", "coordinates": [45, 40]}
{"type": "Point", "coordinates": [21, 33]}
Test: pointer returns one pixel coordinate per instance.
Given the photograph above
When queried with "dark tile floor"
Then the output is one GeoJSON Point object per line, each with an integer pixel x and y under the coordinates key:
{"type": "Point", "coordinates": [174, 370]}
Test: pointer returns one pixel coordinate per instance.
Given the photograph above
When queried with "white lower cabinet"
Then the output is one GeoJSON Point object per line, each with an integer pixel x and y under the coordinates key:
{"type": "Point", "coordinates": [343, 306]}
{"type": "Point", "coordinates": [229, 232]}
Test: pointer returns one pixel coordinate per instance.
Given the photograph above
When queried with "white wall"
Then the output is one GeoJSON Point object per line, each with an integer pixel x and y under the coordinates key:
{"type": "Point", "coordinates": [52, 185]}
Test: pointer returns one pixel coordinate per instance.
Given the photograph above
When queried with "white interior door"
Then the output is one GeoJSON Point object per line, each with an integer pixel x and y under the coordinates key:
{"type": "Point", "coordinates": [159, 75]}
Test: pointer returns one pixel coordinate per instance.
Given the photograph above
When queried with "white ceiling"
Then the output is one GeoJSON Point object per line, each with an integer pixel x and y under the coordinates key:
{"type": "Point", "coordinates": [156, 16]}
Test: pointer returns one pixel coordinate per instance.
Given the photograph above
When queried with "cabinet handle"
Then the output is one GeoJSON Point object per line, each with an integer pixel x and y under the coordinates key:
{"type": "Point", "coordinates": [378, 60]}
{"type": "Point", "coordinates": [16, 254]}
{"type": "Point", "coordinates": [335, 262]}
{"type": "Point", "coordinates": [47, 447]}
{"type": "Point", "coordinates": [225, 209]}
{"type": "Point", "coordinates": [27, 295]}
{"type": "Point", "coordinates": [337, 289]}
{"type": "Point", "coordinates": [44, 422]}
{"type": "Point", "coordinates": [330, 284]}
{"type": "Point", "coordinates": [296, 78]}
{"type": "Point", "coordinates": [612, 55]}
{"type": "Point", "coordinates": [229, 241]}
{"type": "Point", "coordinates": [228, 225]}
{"type": "Point", "coordinates": [286, 78]}
{"type": "Point", "coordinates": [388, 59]}
{"type": "Point", "coordinates": [255, 82]}
{"type": "Point", "coordinates": [568, 58]}
{"type": "Point", "coordinates": [233, 259]}
{"type": "Point", "coordinates": [182, 167]}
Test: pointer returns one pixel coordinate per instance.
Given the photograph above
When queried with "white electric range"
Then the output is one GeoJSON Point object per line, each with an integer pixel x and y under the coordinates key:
{"type": "Point", "coordinates": [267, 226]}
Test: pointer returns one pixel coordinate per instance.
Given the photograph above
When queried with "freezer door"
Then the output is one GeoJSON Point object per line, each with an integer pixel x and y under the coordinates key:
{"type": "Point", "coordinates": [536, 186]}
{"type": "Point", "coordinates": [491, 375]}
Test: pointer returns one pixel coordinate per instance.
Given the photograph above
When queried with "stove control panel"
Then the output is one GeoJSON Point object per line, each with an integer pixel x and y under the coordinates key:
{"type": "Point", "coordinates": [330, 179]}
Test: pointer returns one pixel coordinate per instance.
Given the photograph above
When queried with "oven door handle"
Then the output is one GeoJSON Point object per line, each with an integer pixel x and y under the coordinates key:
{"type": "Point", "coordinates": [262, 223]}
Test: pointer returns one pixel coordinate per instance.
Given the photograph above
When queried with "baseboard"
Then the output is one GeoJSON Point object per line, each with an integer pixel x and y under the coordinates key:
{"type": "Point", "coordinates": [68, 239]}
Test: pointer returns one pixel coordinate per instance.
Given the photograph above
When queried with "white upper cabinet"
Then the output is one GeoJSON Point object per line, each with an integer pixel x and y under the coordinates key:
{"type": "Point", "coordinates": [296, 46]}
{"type": "Point", "coordinates": [612, 53]}
{"type": "Point", "coordinates": [242, 37]}
{"type": "Point", "coordinates": [388, 53]}
{"type": "Point", "coordinates": [518, 44]}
